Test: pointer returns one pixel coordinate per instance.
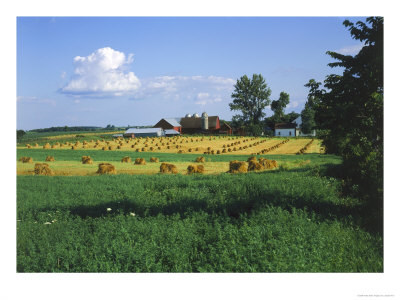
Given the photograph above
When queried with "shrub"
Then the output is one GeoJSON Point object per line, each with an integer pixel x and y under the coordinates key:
{"type": "Point", "coordinates": [106, 168]}
{"type": "Point", "coordinates": [43, 169]}
{"type": "Point", "coordinates": [168, 168]}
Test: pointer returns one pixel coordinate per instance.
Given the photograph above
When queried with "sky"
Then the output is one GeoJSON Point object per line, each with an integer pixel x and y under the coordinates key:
{"type": "Point", "coordinates": [95, 71]}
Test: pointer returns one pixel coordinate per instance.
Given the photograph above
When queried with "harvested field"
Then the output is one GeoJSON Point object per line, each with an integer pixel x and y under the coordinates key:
{"type": "Point", "coordinates": [219, 145]}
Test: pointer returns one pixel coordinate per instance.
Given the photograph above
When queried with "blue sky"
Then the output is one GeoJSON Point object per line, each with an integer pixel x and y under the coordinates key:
{"type": "Point", "coordinates": [123, 71]}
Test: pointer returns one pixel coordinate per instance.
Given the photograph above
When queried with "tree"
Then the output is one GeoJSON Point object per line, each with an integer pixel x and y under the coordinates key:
{"type": "Point", "coordinates": [350, 110]}
{"type": "Point", "coordinates": [308, 113]}
{"type": "Point", "coordinates": [250, 97]}
{"type": "Point", "coordinates": [278, 106]}
{"type": "Point", "coordinates": [20, 134]}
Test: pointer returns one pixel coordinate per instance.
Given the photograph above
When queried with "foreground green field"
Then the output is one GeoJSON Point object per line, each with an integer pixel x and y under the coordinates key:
{"type": "Point", "coordinates": [291, 220]}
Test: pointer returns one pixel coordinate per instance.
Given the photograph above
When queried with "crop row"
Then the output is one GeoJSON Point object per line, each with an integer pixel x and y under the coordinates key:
{"type": "Point", "coordinates": [305, 148]}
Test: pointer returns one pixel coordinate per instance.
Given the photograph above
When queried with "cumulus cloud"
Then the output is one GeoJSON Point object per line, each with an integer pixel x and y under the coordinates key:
{"type": "Point", "coordinates": [350, 50]}
{"type": "Point", "coordinates": [102, 73]}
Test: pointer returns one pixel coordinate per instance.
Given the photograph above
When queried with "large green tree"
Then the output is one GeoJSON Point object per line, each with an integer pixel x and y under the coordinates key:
{"type": "Point", "coordinates": [350, 110]}
{"type": "Point", "coordinates": [250, 97]}
{"type": "Point", "coordinates": [278, 106]}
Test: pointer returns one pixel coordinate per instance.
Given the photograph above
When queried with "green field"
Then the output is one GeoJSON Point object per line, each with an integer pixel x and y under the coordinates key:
{"type": "Point", "coordinates": [292, 219]}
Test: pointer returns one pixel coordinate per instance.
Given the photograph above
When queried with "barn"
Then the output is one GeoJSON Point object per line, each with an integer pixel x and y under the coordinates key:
{"type": "Point", "coordinates": [197, 124]}
{"type": "Point", "coordinates": [225, 128]}
{"type": "Point", "coordinates": [144, 132]}
{"type": "Point", "coordinates": [169, 123]}
{"type": "Point", "coordinates": [171, 132]}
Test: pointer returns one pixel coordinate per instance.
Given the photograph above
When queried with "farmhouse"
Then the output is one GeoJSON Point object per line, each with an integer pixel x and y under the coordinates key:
{"type": "Point", "coordinates": [291, 129]}
{"type": "Point", "coordinates": [169, 123]}
{"type": "Point", "coordinates": [143, 132]}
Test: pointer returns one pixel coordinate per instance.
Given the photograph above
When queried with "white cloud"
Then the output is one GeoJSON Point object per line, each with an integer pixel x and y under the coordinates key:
{"type": "Point", "coordinates": [200, 90]}
{"type": "Point", "coordinates": [102, 74]}
{"type": "Point", "coordinates": [350, 50]}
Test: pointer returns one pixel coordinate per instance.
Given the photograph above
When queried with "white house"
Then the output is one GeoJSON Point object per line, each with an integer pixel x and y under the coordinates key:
{"type": "Point", "coordinates": [291, 129]}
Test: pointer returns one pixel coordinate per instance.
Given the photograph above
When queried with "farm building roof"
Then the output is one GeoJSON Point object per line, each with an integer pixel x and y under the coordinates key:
{"type": "Point", "coordinates": [196, 122]}
{"type": "Point", "coordinates": [285, 125]}
{"type": "Point", "coordinates": [143, 130]}
{"type": "Point", "coordinates": [171, 131]}
{"type": "Point", "coordinates": [173, 122]}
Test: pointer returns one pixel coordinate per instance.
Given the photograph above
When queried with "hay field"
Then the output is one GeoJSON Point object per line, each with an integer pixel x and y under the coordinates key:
{"type": "Point", "coordinates": [216, 145]}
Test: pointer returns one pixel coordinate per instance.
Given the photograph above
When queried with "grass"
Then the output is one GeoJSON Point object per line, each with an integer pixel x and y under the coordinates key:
{"type": "Point", "coordinates": [279, 221]}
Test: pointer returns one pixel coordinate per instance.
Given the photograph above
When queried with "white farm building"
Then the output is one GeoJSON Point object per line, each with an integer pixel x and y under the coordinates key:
{"type": "Point", "coordinates": [291, 129]}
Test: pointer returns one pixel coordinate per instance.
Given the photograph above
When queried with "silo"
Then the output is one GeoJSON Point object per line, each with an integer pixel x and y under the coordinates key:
{"type": "Point", "coordinates": [204, 121]}
{"type": "Point", "coordinates": [188, 116]}
{"type": "Point", "coordinates": [195, 115]}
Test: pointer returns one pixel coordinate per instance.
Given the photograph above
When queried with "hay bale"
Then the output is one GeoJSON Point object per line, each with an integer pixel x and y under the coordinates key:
{"type": "Point", "coordinates": [73, 147]}
{"type": "Point", "coordinates": [26, 159]}
{"type": "Point", "coordinates": [50, 158]}
{"type": "Point", "coordinates": [46, 146]}
{"type": "Point", "coordinates": [191, 169]}
{"type": "Point", "coordinates": [181, 151]}
{"type": "Point", "coordinates": [110, 147]}
{"type": "Point", "coordinates": [87, 160]}
{"type": "Point", "coordinates": [140, 161]}
{"type": "Point", "coordinates": [168, 168]}
{"type": "Point", "coordinates": [268, 164]}
{"type": "Point", "coordinates": [106, 168]}
{"type": "Point", "coordinates": [252, 158]}
{"type": "Point", "coordinates": [154, 159]}
{"type": "Point", "coordinates": [200, 159]}
{"type": "Point", "coordinates": [126, 159]}
{"type": "Point", "coordinates": [254, 165]}
{"type": "Point", "coordinates": [236, 166]}
{"type": "Point", "coordinates": [43, 169]}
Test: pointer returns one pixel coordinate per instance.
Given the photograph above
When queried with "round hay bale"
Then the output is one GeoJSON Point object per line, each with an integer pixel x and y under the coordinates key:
{"type": "Point", "coordinates": [200, 159]}
{"type": "Point", "coordinates": [26, 159]}
{"type": "Point", "coordinates": [236, 166]}
{"type": "Point", "coordinates": [140, 161]}
{"type": "Point", "coordinates": [87, 160]}
{"type": "Point", "coordinates": [126, 159]}
{"type": "Point", "coordinates": [154, 159]}
{"type": "Point", "coordinates": [50, 158]}
{"type": "Point", "coordinates": [43, 169]}
{"type": "Point", "coordinates": [168, 168]}
{"type": "Point", "coordinates": [106, 168]}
